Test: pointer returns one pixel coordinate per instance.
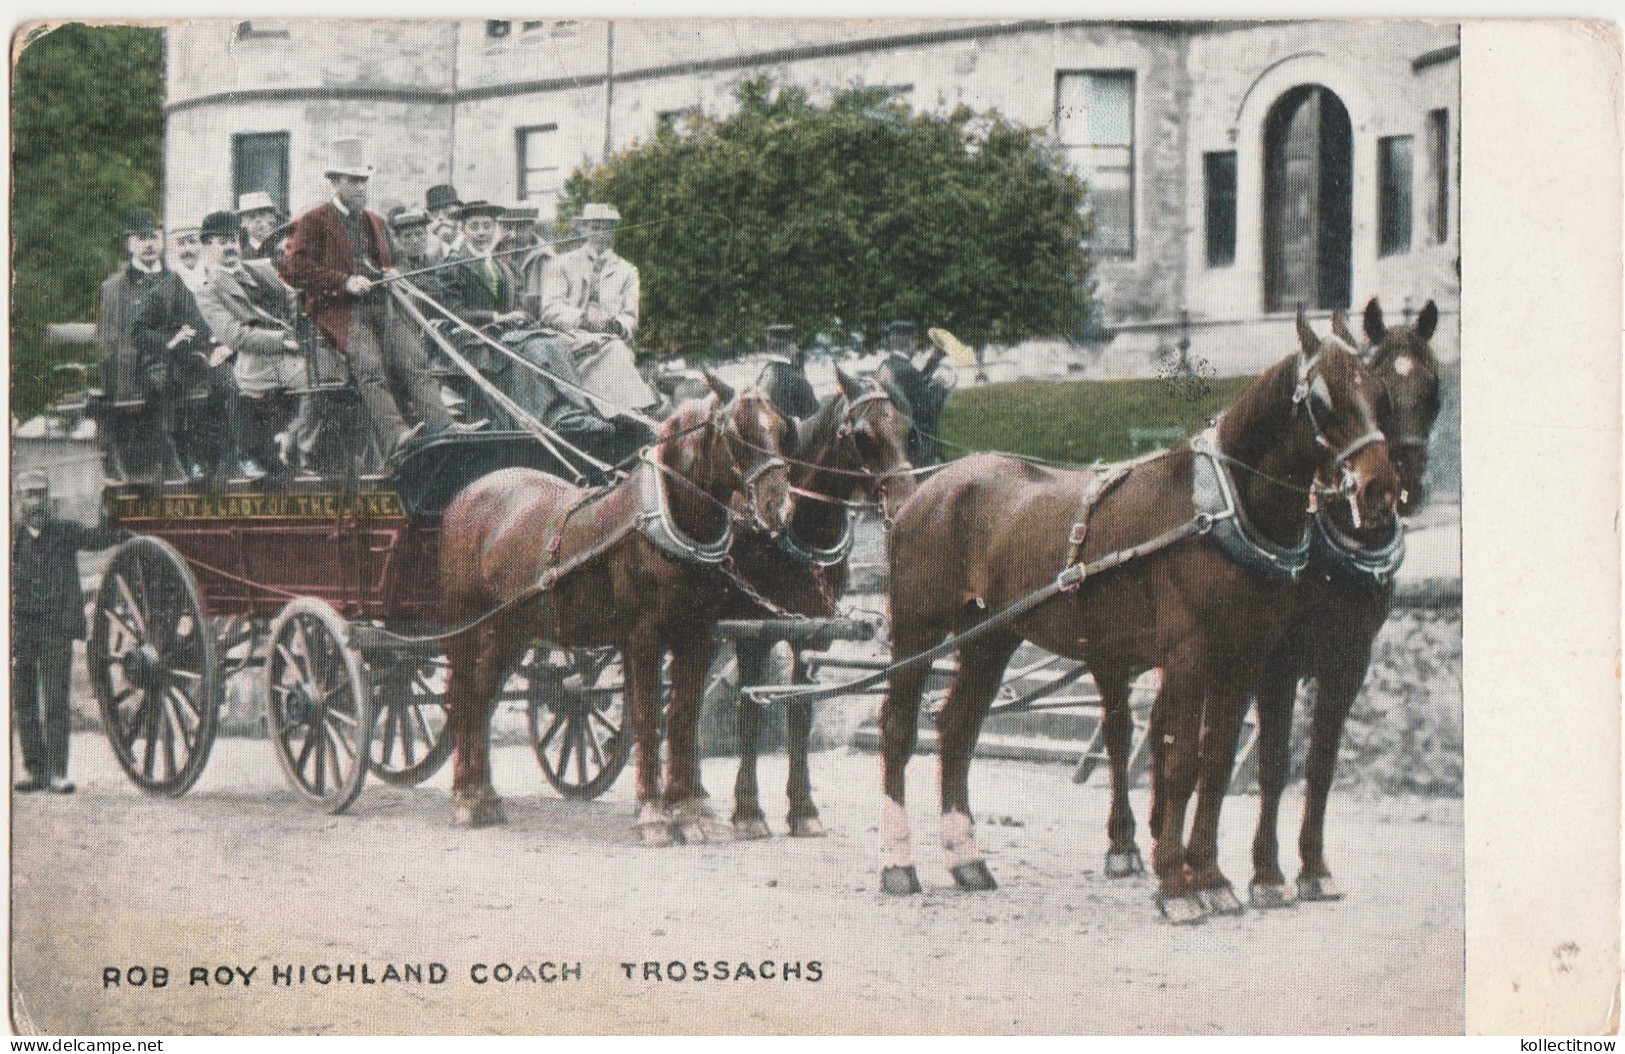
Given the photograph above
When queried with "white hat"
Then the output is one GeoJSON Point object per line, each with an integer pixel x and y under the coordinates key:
{"type": "Point", "coordinates": [256, 201]}
{"type": "Point", "coordinates": [348, 157]}
{"type": "Point", "coordinates": [596, 211]}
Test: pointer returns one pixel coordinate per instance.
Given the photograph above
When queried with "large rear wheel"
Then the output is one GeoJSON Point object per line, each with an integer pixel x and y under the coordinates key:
{"type": "Point", "coordinates": [151, 658]}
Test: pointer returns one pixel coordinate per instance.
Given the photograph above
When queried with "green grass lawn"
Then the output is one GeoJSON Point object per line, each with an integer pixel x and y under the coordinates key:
{"type": "Point", "coordinates": [1080, 421]}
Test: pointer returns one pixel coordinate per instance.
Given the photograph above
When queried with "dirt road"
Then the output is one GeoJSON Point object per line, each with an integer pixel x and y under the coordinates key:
{"type": "Point", "coordinates": [239, 874]}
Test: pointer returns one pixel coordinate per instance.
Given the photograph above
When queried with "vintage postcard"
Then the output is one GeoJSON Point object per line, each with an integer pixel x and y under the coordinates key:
{"type": "Point", "coordinates": [497, 505]}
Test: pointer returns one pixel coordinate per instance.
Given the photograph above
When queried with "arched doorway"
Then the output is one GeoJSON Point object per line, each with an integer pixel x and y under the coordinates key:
{"type": "Point", "coordinates": [1308, 201]}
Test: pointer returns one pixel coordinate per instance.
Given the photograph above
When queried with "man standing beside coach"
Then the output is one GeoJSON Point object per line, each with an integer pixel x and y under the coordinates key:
{"type": "Point", "coordinates": [47, 616]}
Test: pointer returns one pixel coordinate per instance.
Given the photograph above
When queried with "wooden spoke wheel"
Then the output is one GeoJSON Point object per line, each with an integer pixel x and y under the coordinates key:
{"type": "Point", "coordinates": [577, 708]}
{"type": "Point", "coordinates": [410, 741]}
{"type": "Point", "coordinates": [151, 658]}
{"type": "Point", "coordinates": [318, 703]}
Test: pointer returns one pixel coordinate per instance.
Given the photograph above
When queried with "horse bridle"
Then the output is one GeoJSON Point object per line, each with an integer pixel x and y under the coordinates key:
{"type": "Point", "coordinates": [1302, 395]}
{"type": "Point", "coordinates": [724, 424]}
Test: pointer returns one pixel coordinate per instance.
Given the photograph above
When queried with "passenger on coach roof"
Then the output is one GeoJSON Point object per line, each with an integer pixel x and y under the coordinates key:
{"type": "Point", "coordinates": [190, 382]}
{"type": "Point", "coordinates": [590, 297]}
{"type": "Point", "coordinates": [255, 313]}
{"type": "Point", "coordinates": [184, 257]}
{"type": "Point", "coordinates": [483, 291]}
{"type": "Point", "coordinates": [132, 440]}
{"type": "Point", "coordinates": [445, 233]}
{"type": "Point", "coordinates": [260, 219]}
{"type": "Point", "coordinates": [336, 255]}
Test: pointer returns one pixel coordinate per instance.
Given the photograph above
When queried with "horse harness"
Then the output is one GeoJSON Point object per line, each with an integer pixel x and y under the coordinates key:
{"type": "Point", "coordinates": [1343, 557]}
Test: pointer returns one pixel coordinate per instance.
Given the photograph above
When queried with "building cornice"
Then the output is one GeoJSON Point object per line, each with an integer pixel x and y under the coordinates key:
{"type": "Point", "coordinates": [756, 59]}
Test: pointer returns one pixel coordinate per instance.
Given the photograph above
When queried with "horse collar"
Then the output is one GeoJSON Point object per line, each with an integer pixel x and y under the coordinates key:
{"type": "Point", "coordinates": [1213, 493]}
{"type": "Point", "coordinates": [818, 557]}
{"type": "Point", "coordinates": [1348, 559]}
{"type": "Point", "coordinates": [656, 524]}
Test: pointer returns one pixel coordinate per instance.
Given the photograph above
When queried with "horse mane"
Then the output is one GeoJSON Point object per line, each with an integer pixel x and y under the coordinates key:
{"type": "Point", "coordinates": [688, 419]}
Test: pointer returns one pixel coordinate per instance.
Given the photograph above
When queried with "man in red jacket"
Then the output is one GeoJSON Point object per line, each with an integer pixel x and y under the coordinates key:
{"type": "Point", "coordinates": [335, 256]}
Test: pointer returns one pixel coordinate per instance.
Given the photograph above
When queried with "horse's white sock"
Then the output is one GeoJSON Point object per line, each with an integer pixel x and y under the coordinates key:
{"type": "Point", "coordinates": [959, 840]}
{"type": "Point", "coordinates": [896, 842]}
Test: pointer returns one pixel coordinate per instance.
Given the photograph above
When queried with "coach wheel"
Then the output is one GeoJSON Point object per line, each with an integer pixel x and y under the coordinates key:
{"type": "Point", "coordinates": [409, 738]}
{"type": "Point", "coordinates": [577, 709]}
{"type": "Point", "coordinates": [151, 658]}
{"type": "Point", "coordinates": [318, 703]}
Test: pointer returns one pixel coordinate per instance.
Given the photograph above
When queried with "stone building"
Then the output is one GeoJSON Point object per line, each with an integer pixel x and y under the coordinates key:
{"type": "Point", "coordinates": [1238, 168]}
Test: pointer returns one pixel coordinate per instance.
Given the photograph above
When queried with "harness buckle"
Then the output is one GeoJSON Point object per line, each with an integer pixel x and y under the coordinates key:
{"type": "Point", "coordinates": [1203, 521]}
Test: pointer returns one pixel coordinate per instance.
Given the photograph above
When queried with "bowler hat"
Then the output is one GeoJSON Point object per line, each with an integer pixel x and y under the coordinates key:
{"type": "Point", "coordinates": [404, 216]}
{"type": "Point", "coordinates": [256, 201]}
{"type": "Point", "coordinates": [139, 221]}
{"type": "Point", "coordinates": [219, 225]}
{"type": "Point", "coordinates": [441, 196]}
{"type": "Point", "coordinates": [348, 157]}
{"type": "Point", "coordinates": [32, 480]}
{"type": "Point", "coordinates": [479, 208]}
{"type": "Point", "coordinates": [780, 331]}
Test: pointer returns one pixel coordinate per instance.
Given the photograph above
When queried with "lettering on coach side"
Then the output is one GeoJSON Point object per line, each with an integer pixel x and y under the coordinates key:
{"type": "Point", "coordinates": [267, 506]}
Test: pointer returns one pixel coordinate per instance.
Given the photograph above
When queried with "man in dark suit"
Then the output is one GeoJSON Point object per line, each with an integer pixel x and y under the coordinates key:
{"type": "Point", "coordinates": [188, 378]}
{"type": "Point", "coordinates": [483, 291]}
{"type": "Point", "coordinates": [337, 253]}
{"type": "Point", "coordinates": [133, 441]}
{"type": "Point", "coordinates": [47, 616]}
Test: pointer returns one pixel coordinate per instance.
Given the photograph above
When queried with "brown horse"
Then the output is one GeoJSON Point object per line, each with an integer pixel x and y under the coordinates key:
{"type": "Point", "coordinates": [633, 566]}
{"type": "Point", "coordinates": [854, 447]}
{"type": "Point", "coordinates": [1342, 602]}
{"type": "Point", "coordinates": [1183, 562]}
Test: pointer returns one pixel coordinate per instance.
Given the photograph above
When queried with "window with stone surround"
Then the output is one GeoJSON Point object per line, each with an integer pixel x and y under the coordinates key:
{"type": "Point", "coordinates": [537, 150]}
{"type": "Point", "coordinates": [1094, 124]}
{"type": "Point", "coordinates": [1219, 182]}
{"type": "Point", "coordinates": [1393, 195]}
{"type": "Point", "coordinates": [259, 161]}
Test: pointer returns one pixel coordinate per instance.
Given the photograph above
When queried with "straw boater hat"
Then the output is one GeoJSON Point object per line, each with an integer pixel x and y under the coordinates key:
{"type": "Point", "coordinates": [256, 201]}
{"type": "Point", "coordinates": [479, 208]}
{"type": "Point", "coordinates": [596, 212]}
{"type": "Point", "coordinates": [189, 228]}
{"type": "Point", "coordinates": [404, 216]}
{"type": "Point", "coordinates": [348, 157]}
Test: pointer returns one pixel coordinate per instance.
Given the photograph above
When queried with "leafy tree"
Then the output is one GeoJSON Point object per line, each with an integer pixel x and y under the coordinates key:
{"type": "Point", "coordinates": [87, 145]}
{"type": "Point", "coordinates": [839, 218]}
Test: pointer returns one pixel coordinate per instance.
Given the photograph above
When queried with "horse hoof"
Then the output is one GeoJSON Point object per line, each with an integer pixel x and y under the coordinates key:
{"type": "Point", "coordinates": [1323, 888]}
{"type": "Point", "coordinates": [476, 810]}
{"type": "Point", "coordinates": [696, 824]}
{"type": "Point", "coordinates": [1123, 863]}
{"type": "Point", "coordinates": [1268, 895]}
{"type": "Point", "coordinates": [900, 881]}
{"type": "Point", "coordinates": [751, 830]}
{"type": "Point", "coordinates": [704, 829]}
{"type": "Point", "coordinates": [807, 827]}
{"type": "Point", "coordinates": [1181, 911]}
{"type": "Point", "coordinates": [1220, 900]}
{"type": "Point", "coordinates": [653, 835]}
{"type": "Point", "coordinates": [974, 876]}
